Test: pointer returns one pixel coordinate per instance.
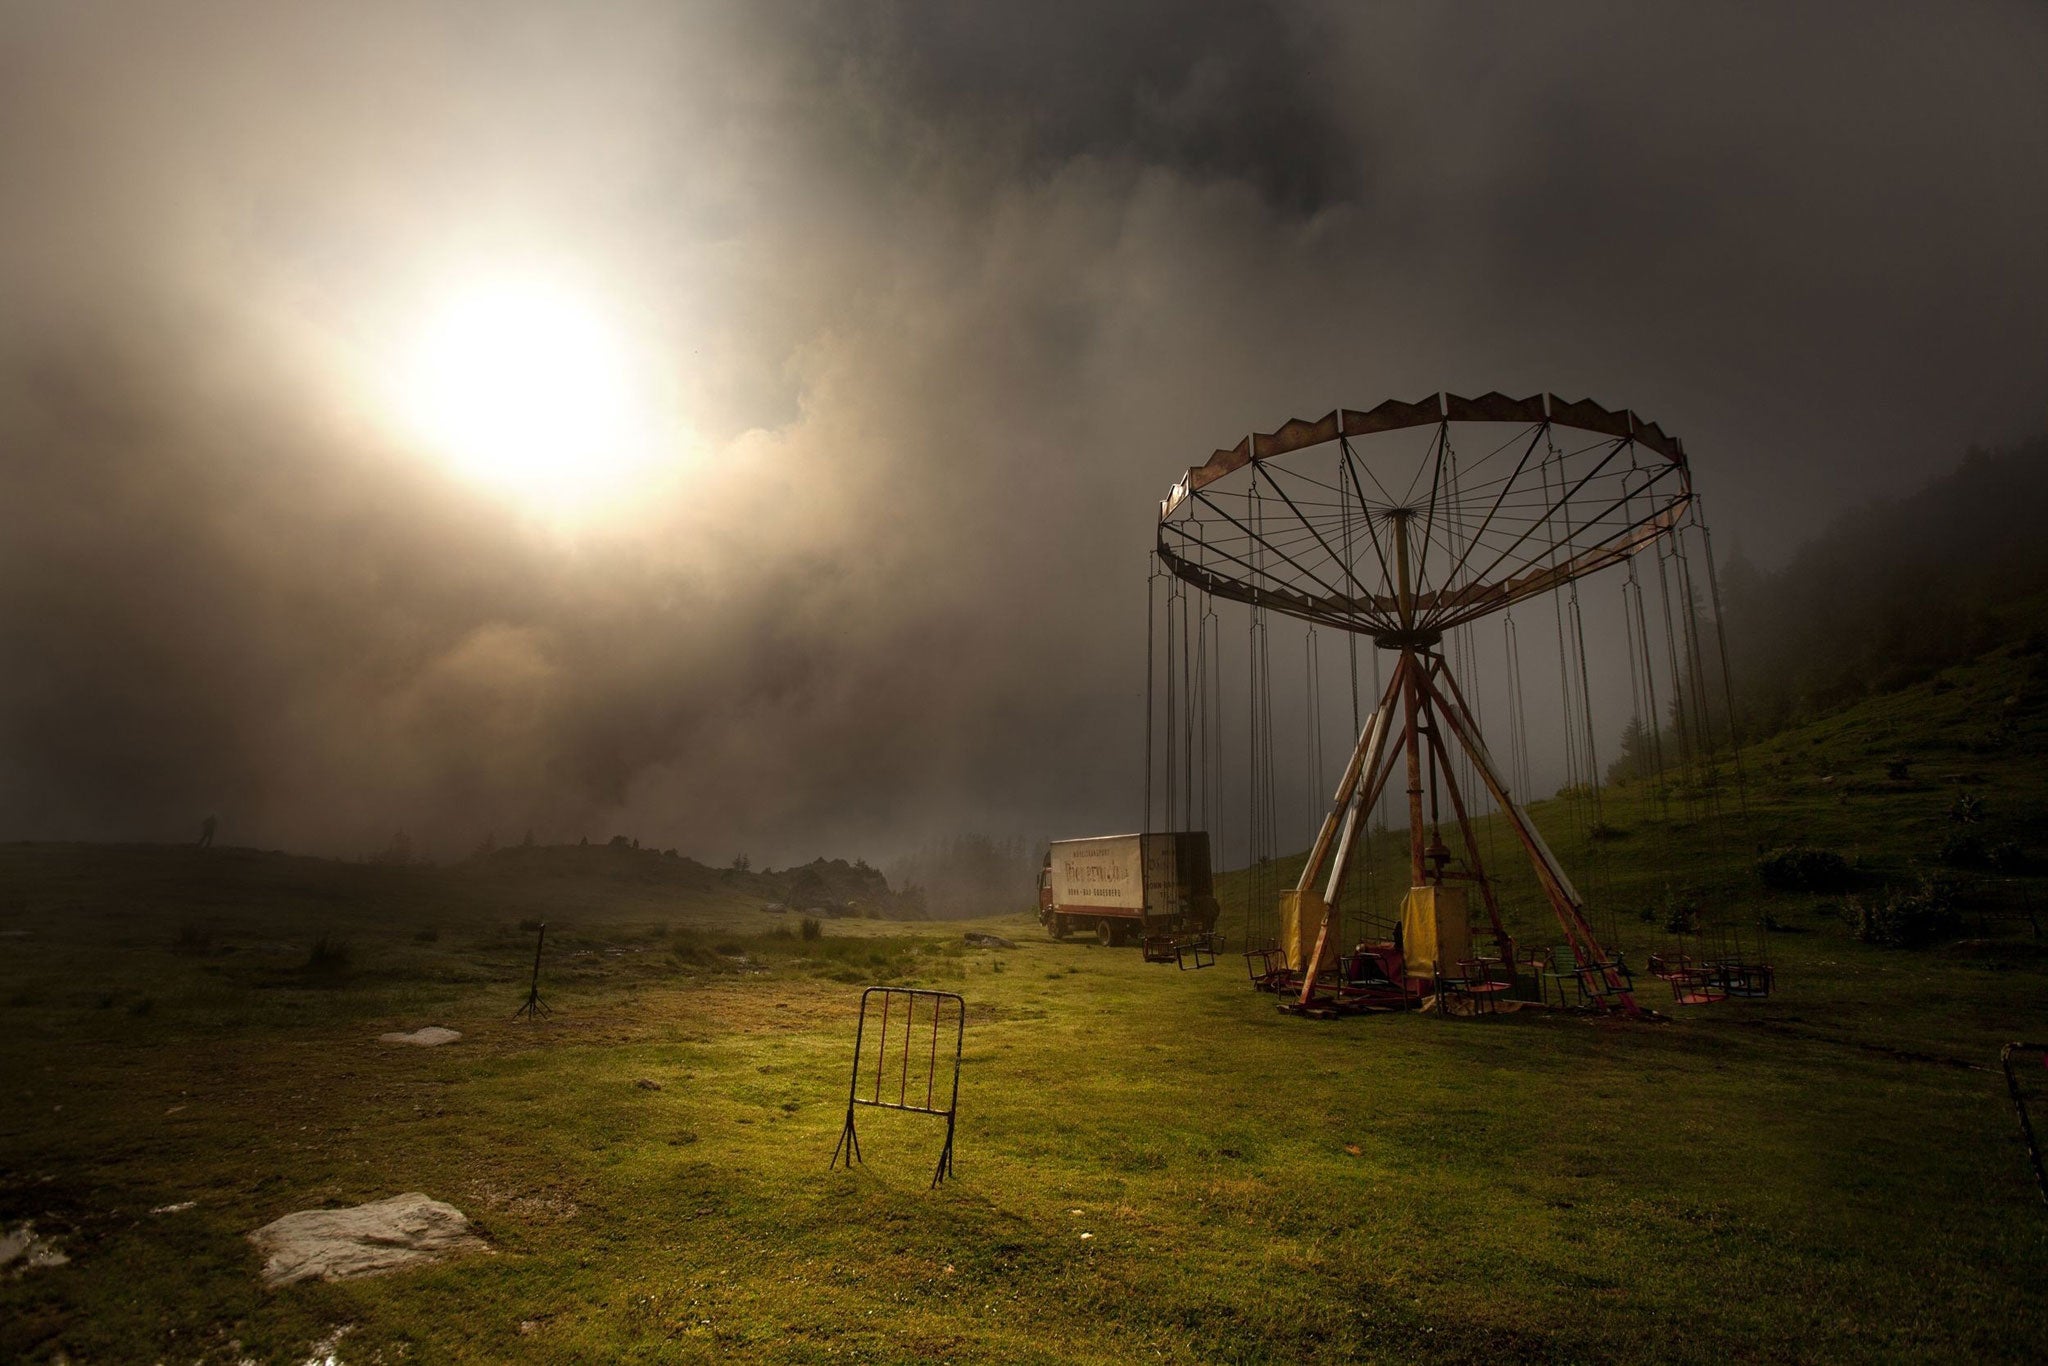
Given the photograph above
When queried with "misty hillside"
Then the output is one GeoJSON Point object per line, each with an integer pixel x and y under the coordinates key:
{"type": "Point", "coordinates": [828, 886]}
{"type": "Point", "coordinates": [1886, 595]}
{"type": "Point", "coordinates": [159, 888]}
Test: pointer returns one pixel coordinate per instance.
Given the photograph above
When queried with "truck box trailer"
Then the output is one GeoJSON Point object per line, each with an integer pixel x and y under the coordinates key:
{"type": "Point", "coordinates": [1123, 887]}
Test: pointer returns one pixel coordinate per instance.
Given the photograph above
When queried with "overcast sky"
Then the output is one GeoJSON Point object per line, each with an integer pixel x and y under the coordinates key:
{"type": "Point", "coordinates": [923, 307]}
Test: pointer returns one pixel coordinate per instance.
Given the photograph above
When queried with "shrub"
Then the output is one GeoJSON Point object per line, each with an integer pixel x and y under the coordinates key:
{"type": "Point", "coordinates": [810, 928]}
{"type": "Point", "coordinates": [1798, 868]}
{"type": "Point", "coordinates": [1961, 849]}
{"type": "Point", "coordinates": [329, 955]}
{"type": "Point", "coordinates": [687, 950]}
{"type": "Point", "coordinates": [1898, 919]}
{"type": "Point", "coordinates": [426, 936]}
{"type": "Point", "coordinates": [1681, 917]}
{"type": "Point", "coordinates": [2006, 856]}
{"type": "Point", "coordinates": [193, 939]}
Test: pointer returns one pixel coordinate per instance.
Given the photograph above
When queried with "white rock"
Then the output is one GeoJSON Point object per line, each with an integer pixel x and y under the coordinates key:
{"type": "Point", "coordinates": [20, 1244]}
{"type": "Point", "coordinates": [433, 1036]}
{"type": "Point", "coordinates": [384, 1235]}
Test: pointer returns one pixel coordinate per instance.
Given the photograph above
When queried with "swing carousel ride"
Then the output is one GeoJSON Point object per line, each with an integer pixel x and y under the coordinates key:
{"type": "Point", "coordinates": [1403, 525]}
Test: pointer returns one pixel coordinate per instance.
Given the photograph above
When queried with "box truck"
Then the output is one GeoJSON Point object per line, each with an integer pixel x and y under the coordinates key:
{"type": "Point", "coordinates": [1121, 888]}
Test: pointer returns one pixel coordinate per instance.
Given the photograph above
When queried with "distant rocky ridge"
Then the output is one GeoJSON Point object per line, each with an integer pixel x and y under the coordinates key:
{"type": "Point", "coordinates": [826, 887]}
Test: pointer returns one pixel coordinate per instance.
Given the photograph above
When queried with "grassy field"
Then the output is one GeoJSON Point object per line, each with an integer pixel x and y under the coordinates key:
{"type": "Point", "coordinates": [1152, 1165]}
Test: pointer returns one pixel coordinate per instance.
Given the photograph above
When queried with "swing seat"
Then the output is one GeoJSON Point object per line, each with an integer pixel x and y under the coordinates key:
{"type": "Point", "coordinates": [1267, 967]}
{"type": "Point", "coordinates": [1378, 966]}
{"type": "Point", "coordinates": [1665, 966]}
{"type": "Point", "coordinates": [1475, 983]}
{"type": "Point", "coordinates": [1564, 967]}
{"type": "Point", "coordinates": [1696, 987]}
{"type": "Point", "coordinates": [1373, 978]}
{"type": "Point", "coordinates": [1743, 979]}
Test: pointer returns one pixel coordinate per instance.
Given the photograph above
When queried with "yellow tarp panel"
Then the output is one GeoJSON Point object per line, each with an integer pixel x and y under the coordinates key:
{"type": "Point", "coordinates": [1301, 920]}
{"type": "Point", "coordinates": [1435, 930]}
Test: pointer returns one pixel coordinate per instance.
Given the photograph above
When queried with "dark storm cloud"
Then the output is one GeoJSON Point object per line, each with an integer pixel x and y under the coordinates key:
{"type": "Point", "coordinates": [952, 293]}
{"type": "Point", "coordinates": [1227, 93]}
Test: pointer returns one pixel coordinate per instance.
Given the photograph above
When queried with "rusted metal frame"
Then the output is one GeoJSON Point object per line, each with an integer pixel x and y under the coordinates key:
{"type": "Point", "coordinates": [1436, 480]}
{"type": "Point", "coordinates": [1364, 509]}
{"type": "Point", "coordinates": [1562, 498]}
{"type": "Point", "coordinates": [882, 1052]}
{"type": "Point", "coordinates": [932, 1062]}
{"type": "Point", "coordinates": [1340, 561]}
{"type": "Point", "coordinates": [1254, 541]}
{"type": "Point", "coordinates": [1408, 493]}
{"type": "Point", "coordinates": [1468, 735]}
{"type": "Point", "coordinates": [2019, 1106]}
{"type": "Point", "coordinates": [1376, 781]}
{"type": "Point", "coordinates": [1564, 898]}
{"type": "Point", "coordinates": [1554, 548]}
{"type": "Point", "coordinates": [1391, 749]}
{"type": "Point", "coordinates": [1259, 538]}
{"type": "Point", "coordinates": [1340, 868]}
{"type": "Point", "coordinates": [535, 1007]}
{"type": "Point", "coordinates": [906, 1107]}
{"type": "Point", "coordinates": [1345, 439]}
{"type": "Point", "coordinates": [1288, 601]}
{"type": "Point", "coordinates": [1506, 484]}
{"type": "Point", "coordinates": [1450, 783]}
{"type": "Point", "coordinates": [1376, 772]}
{"type": "Point", "coordinates": [1557, 888]}
{"type": "Point", "coordinates": [1550, 424]}
{"type": "Point", "coordinates": [1347, 787]}
{"type": "Point", "coordinates": [1624, 544]}
{"type": "Point", "coordinates": [945, 1165]}
{"type": "Point", "coordinates": [1411, 696]}
{"type": "Point", "coordinates": [1210, 581]}
{"type": "Point", "coordinates": [1440, 528]}
{"type": "Point", "coordinates": [1210, 538]}
{"type": "Point", "coordinates": [1286, 604]}
{"type": "Point", "coordinates": [849, 1136]}
{"type": "Point", "coordinates": [1476, 599]}
{"type": "Point", "coordinates": [909, 1019]}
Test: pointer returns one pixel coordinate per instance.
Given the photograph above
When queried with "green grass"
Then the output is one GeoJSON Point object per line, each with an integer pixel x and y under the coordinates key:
{"type": "Point", "coordinates": [1832, 1174]}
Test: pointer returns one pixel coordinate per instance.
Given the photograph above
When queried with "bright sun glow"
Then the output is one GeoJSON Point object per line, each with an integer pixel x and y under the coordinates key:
{"type": "Point", "coordinates": [526, 388]}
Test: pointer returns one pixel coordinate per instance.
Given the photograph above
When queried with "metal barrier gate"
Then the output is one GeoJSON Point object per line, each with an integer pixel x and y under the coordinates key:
{"type": "Point", "coordinates": [2019, 1104]}
{"type": "Point", "coordinates": [902, 1004]}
